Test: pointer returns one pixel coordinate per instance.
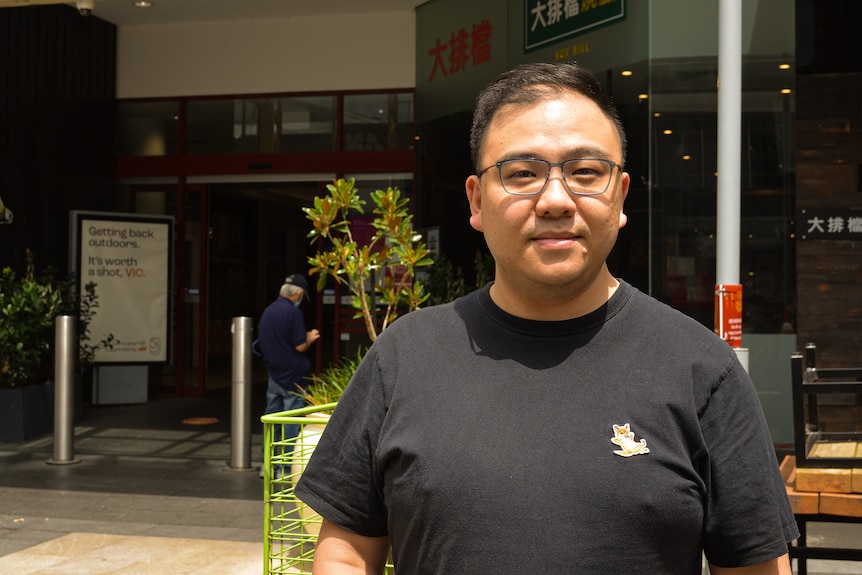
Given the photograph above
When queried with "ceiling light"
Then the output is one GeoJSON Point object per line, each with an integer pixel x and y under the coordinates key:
{"type": "Point", "coordinates": [626, 73]}
{"type": "Point", "coordinates": [643, 96]}
{"type": "Point", "coordinates": [142, 3]}
{"type": "Point", "coordinates": [656, 115]}
{"type": "Point", "coordinates": [784, 66]}
{"type": "Point", "coordinates": [786, 90]}
{"type": "Point", "coordinates": [667, 132]}
{"type": "Point", "coordinates": [686, 157]}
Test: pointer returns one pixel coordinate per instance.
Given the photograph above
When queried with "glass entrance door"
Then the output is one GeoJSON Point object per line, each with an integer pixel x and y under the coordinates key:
{"type": "Point", "coordinates": [184, 374]}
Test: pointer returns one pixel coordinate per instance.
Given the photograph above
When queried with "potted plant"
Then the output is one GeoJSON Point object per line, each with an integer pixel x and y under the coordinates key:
{"type": "Point", "coordinates": [29, 306]}
{"type": "Point", "coordinates": [380, 273]}
{"type": "Point", "coordinates": [379, 270]}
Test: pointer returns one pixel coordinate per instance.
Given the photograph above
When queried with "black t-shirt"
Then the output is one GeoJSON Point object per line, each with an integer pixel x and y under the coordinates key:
{"type": "Point", "coordinates": [627, 440]}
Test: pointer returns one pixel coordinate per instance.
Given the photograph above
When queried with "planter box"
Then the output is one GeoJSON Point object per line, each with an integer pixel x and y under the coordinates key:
{"type": "Point", "coordinates": [28, 412]}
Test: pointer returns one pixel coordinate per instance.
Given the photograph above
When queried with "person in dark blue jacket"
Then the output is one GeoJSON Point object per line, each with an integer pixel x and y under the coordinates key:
{"type": "Point", "coordinates": [282, 341]}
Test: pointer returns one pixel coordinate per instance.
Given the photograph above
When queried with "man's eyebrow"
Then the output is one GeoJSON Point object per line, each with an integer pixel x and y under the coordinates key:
{"type": "Point", "coordinates": [572, 153]}
{"type": "Point", "coordinates": [588, 152]}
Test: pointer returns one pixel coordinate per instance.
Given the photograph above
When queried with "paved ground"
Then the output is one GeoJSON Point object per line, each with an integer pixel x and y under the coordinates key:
{"type": "Point", "coordinates": [153, 493]}
{"type": "Point", "coordinates": [150, 494]}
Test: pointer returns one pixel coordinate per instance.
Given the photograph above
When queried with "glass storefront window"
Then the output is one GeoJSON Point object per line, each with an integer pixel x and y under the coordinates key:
{"type": "Point", "coordinates": [210, 126]}
{"type": "Point", "coordinates": [684, 134]}
{"type": "Point", "coordinates": [148, 128]}
{"type": "Point", "coordinates": [215, 126]}
{"type": "Point", "coordinates": [378, 121]}
{"type": "Point", "coordinates": [307, 124]}
{"type": "Point", "coordinates": [261, 125]}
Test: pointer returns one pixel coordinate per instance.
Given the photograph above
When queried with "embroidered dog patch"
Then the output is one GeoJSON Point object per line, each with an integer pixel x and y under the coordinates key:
{"type": "Point", "coordinates": [625, 438]}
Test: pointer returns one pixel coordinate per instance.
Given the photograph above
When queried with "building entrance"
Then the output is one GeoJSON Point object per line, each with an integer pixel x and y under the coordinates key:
{"type": "Point", "coordinates": [236, 242]}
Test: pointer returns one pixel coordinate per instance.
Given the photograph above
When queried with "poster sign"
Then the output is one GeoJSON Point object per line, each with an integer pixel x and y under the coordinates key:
{"type": "Point", "coordinates": [728, 313]}
{"type": "Point", "coordinates": [549, 21]}
{"type": "Point", "coordinates": [830, 224]}
{"type": "Point", "coordinates": [129, 259]}
{"type": "Point", "coordinates": [460, 49]}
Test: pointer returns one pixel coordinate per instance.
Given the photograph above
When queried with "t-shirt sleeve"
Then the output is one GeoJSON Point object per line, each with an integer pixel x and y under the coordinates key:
{"type": "Point", "coordinates": [748, 516]}
{"type": "Point", "coordinates": [341, 481]}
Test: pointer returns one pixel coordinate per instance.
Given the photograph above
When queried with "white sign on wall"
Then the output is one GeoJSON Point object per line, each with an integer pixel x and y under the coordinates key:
{"type": "Point", "coordinates": [129, 259]}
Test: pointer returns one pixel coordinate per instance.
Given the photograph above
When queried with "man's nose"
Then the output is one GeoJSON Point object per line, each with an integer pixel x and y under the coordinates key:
{"type": "Point", "coordinates": [555, 198]}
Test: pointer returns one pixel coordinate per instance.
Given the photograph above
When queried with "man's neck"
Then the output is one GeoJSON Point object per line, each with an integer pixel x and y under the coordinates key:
{"type": "Point", "coordinates": [554, 303]}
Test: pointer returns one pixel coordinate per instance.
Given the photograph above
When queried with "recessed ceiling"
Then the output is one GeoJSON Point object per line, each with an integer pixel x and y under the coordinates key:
{"type": "Point", "coordinates": [123, 13]}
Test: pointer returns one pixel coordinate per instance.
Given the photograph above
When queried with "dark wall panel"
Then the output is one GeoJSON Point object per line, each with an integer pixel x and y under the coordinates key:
{"type": "Point", "coordinates": [57, 98]}
{"type": "Point", "coordinates": [829, 272]}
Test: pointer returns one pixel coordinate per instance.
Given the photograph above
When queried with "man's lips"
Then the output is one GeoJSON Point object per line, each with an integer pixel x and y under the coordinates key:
{"type": "Point", "coordinates": [556, 239]}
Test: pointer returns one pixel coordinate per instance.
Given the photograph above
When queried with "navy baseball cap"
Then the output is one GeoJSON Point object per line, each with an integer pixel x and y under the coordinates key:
{"type": "Point", "coordinates": [299, 281]}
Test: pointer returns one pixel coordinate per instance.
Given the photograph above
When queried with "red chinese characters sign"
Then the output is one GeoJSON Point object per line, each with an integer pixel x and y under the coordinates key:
{"type": "Point", "coordinates": [462, 49]}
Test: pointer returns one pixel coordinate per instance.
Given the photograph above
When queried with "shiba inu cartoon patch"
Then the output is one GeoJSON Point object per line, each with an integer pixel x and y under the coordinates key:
{"type": "Point", "coordinates": [625, 438]}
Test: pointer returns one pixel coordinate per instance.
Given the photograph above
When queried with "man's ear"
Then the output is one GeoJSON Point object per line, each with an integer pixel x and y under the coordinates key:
{"type": "Point", "coordinates": [624, 192]}
{"type": "Point", "coordinates": [474, 196]}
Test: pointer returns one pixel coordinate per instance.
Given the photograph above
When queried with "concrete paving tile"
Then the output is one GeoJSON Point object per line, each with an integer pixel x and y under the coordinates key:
{"type": "Point", "coordinates": [14, 541]}
{"type": "Point", "coordinates": [58, 525]}
{"type": "Point", "coordinates": [103, 554]}
{"type": "Point", "coordinates": [28, 564]}
{"type": "Point", "coordinates": [113, 554]}
{"type": "Point", "coordinates": [202, 532]}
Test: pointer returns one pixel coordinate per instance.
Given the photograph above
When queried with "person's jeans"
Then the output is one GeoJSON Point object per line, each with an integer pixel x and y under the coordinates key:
{"type": "Point", "coordinates": [279, 399]}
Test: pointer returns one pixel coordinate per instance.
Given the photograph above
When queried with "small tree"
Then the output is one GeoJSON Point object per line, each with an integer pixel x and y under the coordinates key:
{"type": "Point", "coordinates": [387, 262]}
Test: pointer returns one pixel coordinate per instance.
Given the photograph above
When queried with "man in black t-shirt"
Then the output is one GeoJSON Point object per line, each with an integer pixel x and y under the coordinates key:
{"type": "Point", "coordinates": [557, 421]}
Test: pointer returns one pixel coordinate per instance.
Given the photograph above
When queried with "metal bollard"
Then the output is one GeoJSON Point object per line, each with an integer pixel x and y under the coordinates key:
{"type": "Point", "coordinates": [65, 348]}
{"type": "Point", "coordinates": [240, 425]}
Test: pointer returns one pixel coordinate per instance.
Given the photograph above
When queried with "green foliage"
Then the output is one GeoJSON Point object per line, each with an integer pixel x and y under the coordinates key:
{"type": "Point", "coordinates": [28, 307]}
{"type": "Point", "coordinates": [446, 283]}
{"type": "Point", "coordinates": [86, 305]}
{"type": "Point", "coordinates": [330, 385]}
{"type": "Point", "coordinates": [387, 262]}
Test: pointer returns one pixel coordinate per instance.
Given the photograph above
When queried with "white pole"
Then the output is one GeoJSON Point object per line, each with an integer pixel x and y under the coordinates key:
{"type": "Point", "coordinates": [728, 210]}
{"type": "Point", "coordinates": [729, 140]}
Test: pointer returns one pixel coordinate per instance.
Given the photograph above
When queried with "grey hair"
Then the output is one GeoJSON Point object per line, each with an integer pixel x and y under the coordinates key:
{"type": "Point", "coordinates": [289, 290]}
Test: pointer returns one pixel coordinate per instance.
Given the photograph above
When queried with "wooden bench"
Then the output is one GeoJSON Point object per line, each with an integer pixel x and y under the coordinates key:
{"type": "Point", "coordinates": [820, 506]}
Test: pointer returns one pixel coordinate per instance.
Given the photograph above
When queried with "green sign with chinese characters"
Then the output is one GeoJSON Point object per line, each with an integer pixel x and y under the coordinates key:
{"type": "Point", "coordinates": [549, 21]}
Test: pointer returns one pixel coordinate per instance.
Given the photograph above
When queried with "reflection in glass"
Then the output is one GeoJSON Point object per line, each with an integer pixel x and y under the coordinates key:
{"type": "Point", "coordinates": [378, 121]}
{"type": "Point", "coordinates": [147, 128]}
{"type": "Point", "coordinates": [684, 134]}
{"type": "Point", "coordinates": [261, 125]}
{"type": "Point", "coordinates": [307, 124]}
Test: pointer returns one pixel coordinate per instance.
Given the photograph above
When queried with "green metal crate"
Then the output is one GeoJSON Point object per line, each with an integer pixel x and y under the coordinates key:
{"type": "Point", "coordinates": [290, 526]}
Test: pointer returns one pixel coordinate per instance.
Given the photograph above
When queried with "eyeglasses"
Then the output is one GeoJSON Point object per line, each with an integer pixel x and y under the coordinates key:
{"type": "Point", "coordinates": [529, 176]}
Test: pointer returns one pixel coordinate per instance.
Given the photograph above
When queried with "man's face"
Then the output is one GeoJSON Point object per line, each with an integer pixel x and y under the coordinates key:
{"type": "Point", "coordinates": [555, 241]}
